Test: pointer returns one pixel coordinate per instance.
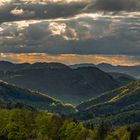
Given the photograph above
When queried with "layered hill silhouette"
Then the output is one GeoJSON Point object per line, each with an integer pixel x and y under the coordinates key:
{"type": "Point", "coordinates": [112, 100]}
{"type": "Point", "coordinates": [59, 80]}
{"type": "Point", "coordinates": [130, 70]}
{"type": "Point", "coordinates": [122, 104]}
{"type": "Point", "coordinates": [12, 96]}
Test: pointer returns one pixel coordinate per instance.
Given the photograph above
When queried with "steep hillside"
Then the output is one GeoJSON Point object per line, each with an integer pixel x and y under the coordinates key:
{"type": "Point", "coordinates": [13, 94]}
{"type": "Point", "coordinates": [60, 81]}
{"type": "Point", "coordinates": [124, 99]}
{"type": "Point", "coordinates": [97, 79]}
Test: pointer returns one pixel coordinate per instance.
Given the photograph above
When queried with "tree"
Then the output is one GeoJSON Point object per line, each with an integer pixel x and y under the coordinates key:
{"type": "Point", "coordinates": [102, 131]}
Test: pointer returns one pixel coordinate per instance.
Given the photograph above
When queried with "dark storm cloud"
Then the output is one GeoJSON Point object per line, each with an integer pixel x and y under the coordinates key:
{"type": "Point", "coordinates": [88, 34]}
{"type": "Point", "coordinates": [114, 5]}
{"type": "Point", "coordinates": [9, 12]}
{"type": "Point", "coordinates": [19, 10]}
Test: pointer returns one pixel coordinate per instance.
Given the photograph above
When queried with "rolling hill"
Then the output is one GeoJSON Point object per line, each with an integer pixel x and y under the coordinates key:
{"type": "Point", "coordinates": [13, 95]}
{"type": "Point", "coordinates": [59, 81]}
{"type": "Point", "coordinates": [116, 104]}
{"type": "Point", "coordinates": [129, 70]}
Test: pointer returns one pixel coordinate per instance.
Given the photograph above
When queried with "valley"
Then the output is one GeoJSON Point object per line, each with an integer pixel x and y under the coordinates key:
{"type": "Point", "coordinates": [102, 104]}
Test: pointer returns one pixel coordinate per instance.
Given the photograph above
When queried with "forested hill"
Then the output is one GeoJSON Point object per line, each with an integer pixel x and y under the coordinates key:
{"type": "Point", "coordinates": [24, 124]}
{"type": "Point", "coordinates": [130, 70]}
{"type": "Point", "coordinates": [132, 89]}
{"type": "Point", "coordinates": [59, 80]}
{"type": "Point", "coordinates": [122, 104]}
{"type": "Point", "coordinates": [13, 94]}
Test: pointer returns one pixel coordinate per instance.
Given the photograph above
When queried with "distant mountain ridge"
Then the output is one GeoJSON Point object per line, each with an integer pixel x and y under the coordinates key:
{"type": "Point", "coordinates": [130, 70]}
{"type": "Point", "coordinates": [75, 66]}
{"type": "Point", "coordinates": [9, 66]}
{"type": "Point", "coordinates": [59, 80]}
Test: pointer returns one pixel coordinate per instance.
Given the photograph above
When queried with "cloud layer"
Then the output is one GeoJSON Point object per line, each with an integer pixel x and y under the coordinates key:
{"type": "Point", "coordinates": [84, 34]}
{"type": "Point", "coordinates": [115, 5]}
{"type": "Point", "coordinates": [20, 10]}
{"type": "Point", "coordinates": [13, 10]}
{"type": "Point", "coordinates": [58, 27]}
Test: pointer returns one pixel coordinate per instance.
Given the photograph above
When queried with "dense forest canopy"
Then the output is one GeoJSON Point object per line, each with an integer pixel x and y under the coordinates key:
{"type": "Point", "coordinates": [22, 124]}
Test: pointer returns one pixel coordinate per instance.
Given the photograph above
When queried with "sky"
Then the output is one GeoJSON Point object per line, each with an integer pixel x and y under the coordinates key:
{"type": "Point", "coordinates": [70, 31]}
